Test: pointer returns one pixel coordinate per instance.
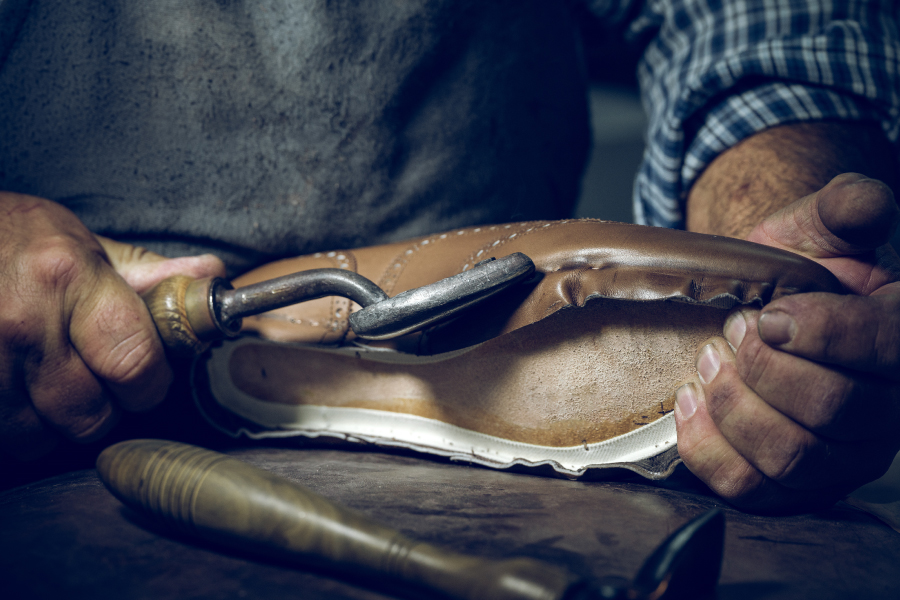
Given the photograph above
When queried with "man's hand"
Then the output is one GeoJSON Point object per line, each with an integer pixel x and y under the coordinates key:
{"type": "Point", "coordinates": [807, 405]}
{"type": "Point", "coordinates": [77, 343]}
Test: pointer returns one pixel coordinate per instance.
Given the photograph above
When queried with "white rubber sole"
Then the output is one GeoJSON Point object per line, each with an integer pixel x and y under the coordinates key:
{"type": "Point", "coordinates": [398, 430]}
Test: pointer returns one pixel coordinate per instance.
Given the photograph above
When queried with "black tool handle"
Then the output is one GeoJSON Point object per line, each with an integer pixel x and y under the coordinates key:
{"type": "Point", "coordinates": [230, 502]}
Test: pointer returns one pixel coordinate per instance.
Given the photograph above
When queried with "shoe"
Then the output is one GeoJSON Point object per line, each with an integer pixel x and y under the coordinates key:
{"type": "Point", "coordinates": [574, 370]}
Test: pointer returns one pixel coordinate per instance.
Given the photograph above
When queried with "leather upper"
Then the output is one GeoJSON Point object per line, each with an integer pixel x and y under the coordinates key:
{"type": "Point", "coordinates": [575, 260]}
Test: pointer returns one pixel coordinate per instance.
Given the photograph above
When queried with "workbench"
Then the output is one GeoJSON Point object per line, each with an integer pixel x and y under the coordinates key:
{"type": "Point", "coordinates": [67, 537]}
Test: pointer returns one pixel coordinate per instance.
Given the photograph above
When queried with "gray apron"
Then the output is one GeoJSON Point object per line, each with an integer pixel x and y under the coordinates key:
{"type": "Point", "coordinates": [263, 129]}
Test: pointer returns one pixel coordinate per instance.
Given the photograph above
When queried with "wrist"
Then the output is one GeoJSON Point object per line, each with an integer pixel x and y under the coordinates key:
{"type": "Point", "coordinates": [778, 166]}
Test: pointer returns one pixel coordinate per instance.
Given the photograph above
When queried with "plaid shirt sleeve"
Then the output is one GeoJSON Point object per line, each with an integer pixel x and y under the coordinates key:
{"type": "Point", "coordinates": [717, 71]}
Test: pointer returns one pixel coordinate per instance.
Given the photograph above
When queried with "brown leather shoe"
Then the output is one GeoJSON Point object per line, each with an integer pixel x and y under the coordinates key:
{"type": "Point", "coordinates": [576, 369]}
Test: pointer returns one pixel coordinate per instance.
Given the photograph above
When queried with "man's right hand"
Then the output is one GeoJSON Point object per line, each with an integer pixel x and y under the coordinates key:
{"type": "Point", "coordinates": [77, 344]}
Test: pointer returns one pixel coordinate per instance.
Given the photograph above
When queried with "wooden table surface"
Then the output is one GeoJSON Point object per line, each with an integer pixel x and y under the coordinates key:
{"type": "Point", "coordinates": [67, 537]}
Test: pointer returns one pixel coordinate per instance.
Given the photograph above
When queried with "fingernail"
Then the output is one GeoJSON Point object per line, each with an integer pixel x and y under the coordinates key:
{"type": "Point", "coordinates": [735, 329]}
{"type": "Point", "coordinates": [686, 400]}
{"type": "Point", "coordinates": [776, 327]}
{"type": "Point", "coordinates": [708, 363]}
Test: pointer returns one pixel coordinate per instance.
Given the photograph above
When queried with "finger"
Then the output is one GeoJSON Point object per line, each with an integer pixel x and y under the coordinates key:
{"type": "Point", "coordinates": [101, 317]}
{"type": "Point", "coordinates": [857, 213]}
{"type": "Point", "coordinates": [709, 455]}
{"type": "Point", "coordinates": [114, 335]}
{"type": "Point", "coordinates": [39, 396]}
{"type": "Point", "coordinates": [856, 332]}
{"type": "Point", "coordinates": [67, 395]}
{"type": "Point", "coordinates": [22, 433]}
{"type": "Point", "coordinates": [33, 337]}
{"type": "Point", "coordinates": [845, 227]}
{"type": "Point", "coordinates": [838, 403]}
{"type": "Point", "coordinates": [779, 447]}
{"type": "Point", "coordinates": [850, 215]}
{"type": "Point", "coordinates": [143, 269]}
{"type": "Point", "coordinates": [64, 298]}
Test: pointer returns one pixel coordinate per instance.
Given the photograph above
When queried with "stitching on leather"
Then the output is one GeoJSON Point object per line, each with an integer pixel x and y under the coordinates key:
{"type": "Point", "coordinates": [395, 268]}
{"type": "Point", "coordinates": [339, 259]}
{"type": "Point", "coordinates": [345, 260]}
{"type": "Point", "coordinates": [335, 323]}
{"type": "Point", "coordinates": [480, 255]}
{"type": "Point", "coordinates": [398, 264]}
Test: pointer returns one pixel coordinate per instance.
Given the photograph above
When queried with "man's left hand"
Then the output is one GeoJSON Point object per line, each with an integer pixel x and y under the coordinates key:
{"type": "Point", "coordinates": [801, 404]}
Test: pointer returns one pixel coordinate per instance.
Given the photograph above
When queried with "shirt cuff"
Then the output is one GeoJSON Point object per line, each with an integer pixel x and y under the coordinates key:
{"type": "Point", "coordinates": [754, 110]}
{"type": "Point", "coordinates": [718, 72]}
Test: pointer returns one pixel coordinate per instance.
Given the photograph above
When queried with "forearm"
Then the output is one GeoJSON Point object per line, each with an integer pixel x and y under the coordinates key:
{"type": "Point", "coordinates": [777, 166]}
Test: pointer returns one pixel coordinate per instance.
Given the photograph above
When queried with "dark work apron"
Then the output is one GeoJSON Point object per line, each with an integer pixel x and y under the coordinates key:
{"type": "Point", "coordinates": [263, 129]}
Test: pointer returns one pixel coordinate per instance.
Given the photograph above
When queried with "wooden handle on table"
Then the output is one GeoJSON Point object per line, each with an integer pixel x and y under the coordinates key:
{"type": "Point", "coordinates": [230, 502]}
{"type": "Point", "coordinates": [180, 308]}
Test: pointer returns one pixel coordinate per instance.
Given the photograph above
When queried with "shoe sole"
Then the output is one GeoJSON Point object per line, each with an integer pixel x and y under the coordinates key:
{"type": "Point", "coordinates": [587, 387]}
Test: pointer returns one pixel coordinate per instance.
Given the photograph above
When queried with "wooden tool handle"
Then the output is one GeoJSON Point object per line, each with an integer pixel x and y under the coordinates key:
{"type": "Point", "coordinates": [230, 502]}
{"type": "Point", "coordinates": [180, 308]}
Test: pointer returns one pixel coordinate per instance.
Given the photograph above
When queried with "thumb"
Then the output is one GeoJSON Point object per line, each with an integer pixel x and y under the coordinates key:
{"type": "Point", "coordinates": [851, 215]}
{"type": "Point", "coordinates": [143, 269]}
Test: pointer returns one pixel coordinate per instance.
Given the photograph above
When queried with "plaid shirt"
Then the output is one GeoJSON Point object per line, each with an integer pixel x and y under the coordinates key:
{"type": "Point", "coordinates": [717, 71]}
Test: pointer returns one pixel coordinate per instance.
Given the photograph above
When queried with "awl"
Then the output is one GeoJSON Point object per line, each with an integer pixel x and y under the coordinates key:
{"type": "Point", "coordinates": [190, 313]}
